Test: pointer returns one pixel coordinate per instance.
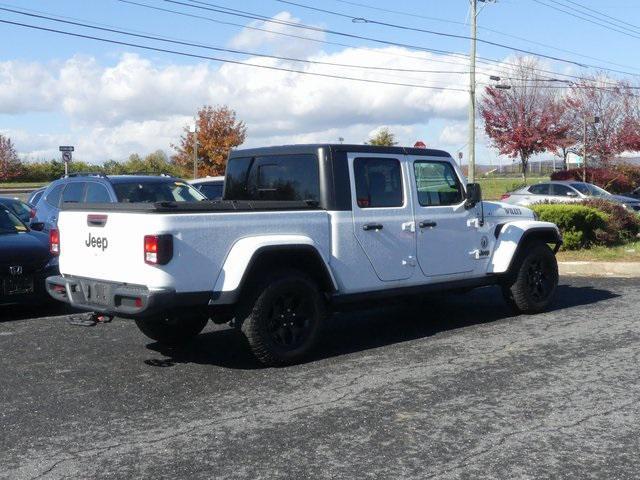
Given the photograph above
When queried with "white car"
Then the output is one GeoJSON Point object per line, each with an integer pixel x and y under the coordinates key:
{"type": "Point", "coordinates": [565, 192]}
{"type": "Point", "coordinates": [303, 231]}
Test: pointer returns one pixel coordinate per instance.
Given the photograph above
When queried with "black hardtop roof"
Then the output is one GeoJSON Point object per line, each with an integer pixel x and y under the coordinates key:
{"type": "Point", "coordinates": [337, 147]}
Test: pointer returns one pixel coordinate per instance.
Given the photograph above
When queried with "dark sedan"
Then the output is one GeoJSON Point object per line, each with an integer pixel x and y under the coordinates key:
{"type": "Point", "coordinates": [25, 261]}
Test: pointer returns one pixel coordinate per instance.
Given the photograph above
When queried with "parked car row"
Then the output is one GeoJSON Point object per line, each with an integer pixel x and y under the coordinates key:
{"type": "Point", "coordinates": [25, 259]}
{"type": "Point", "coordinates": [567, 192]}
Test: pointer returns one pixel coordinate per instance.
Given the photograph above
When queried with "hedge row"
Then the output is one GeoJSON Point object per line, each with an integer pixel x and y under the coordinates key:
{"type": "Point", "coordinates": [594, 222]}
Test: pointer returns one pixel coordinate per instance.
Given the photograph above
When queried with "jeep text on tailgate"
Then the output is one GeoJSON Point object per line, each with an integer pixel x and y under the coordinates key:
{"type": "Point", "coordinates": [300, 232]}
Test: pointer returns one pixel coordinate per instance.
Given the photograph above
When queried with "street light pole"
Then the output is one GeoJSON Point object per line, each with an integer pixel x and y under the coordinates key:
{"type": "Point", "coordinates": [592, 120]}
{"type": "Point", "coordinates": [472, 93]}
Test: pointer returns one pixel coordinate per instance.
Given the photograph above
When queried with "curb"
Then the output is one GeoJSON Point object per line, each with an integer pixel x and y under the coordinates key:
{"type": "Point", "coordinates": [600, 269]}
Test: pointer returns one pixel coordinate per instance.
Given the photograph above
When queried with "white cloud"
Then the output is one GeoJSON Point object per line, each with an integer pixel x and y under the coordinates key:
{"type": "Point", "coordinates": [140, 105]}
{"type": "Point", "coordinates": [254, 36]}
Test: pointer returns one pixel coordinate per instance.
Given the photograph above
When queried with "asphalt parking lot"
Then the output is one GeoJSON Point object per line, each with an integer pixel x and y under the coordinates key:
{"type": "Point", "coordinates": [454, 388]}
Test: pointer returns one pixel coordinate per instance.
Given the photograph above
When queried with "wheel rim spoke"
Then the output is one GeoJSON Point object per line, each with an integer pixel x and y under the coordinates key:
{"type": "Point", "coordinates": [289, 320]}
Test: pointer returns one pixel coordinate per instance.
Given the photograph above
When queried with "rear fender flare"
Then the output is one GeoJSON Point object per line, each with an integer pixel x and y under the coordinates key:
{"type": "Point", "coordinates": [246, 251]}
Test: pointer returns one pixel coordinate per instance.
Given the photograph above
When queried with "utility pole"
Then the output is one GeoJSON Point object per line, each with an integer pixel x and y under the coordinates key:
{"type": "Point", "coordinates": [472, 93]}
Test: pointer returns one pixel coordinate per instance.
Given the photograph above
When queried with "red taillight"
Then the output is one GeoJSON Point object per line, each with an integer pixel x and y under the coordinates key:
{"type": "Point", "coordinates": [32, 213]}
{"type": "Point", "coordinates": [505, 196]}
{"type": "Point", "coordinates": [54, 241]}
{"type": "Point", "coordinates": [158, 249]}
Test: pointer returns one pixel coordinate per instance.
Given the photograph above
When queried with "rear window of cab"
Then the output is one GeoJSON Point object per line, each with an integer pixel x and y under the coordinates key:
{"type": "Point", "coordinates": [273, 177]}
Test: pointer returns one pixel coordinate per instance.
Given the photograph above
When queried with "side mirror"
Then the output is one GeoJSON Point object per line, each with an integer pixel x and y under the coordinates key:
{"type": "Point", "coordinates": [37, 226]}
{"type": "Point", "coordinates": [474, 195]}
{"type": "Point", "coordinates": [572, 194]}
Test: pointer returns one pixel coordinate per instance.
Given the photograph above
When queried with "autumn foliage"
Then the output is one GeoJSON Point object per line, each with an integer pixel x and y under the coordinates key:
{"type": "Point", "coordinates": [218, 132]}
{"type": "Point", "coordinates": [10, 166]}
{"type": "Point", "coordinates": [524, 120]}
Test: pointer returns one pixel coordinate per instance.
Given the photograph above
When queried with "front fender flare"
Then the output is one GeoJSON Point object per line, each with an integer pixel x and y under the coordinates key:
{"type": "Point", "coordinates": [513, 235]}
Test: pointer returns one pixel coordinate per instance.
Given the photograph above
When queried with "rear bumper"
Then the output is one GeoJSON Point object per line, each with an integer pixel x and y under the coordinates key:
{"type": "Point", "coordinates": [120, 299]}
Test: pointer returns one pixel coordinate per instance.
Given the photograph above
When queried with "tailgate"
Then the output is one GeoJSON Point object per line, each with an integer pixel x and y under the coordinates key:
{"type": "Point", "coordinates": [109, 246]}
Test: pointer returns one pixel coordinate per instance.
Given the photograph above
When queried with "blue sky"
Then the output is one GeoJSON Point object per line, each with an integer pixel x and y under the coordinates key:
{"type": "Point", "coordinates": [112, 100]}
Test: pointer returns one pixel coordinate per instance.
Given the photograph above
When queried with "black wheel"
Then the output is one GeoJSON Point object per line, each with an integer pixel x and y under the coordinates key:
{"type": "Point", "coordinates": [172, 329]}
{"type": "Point", "coordinates": [534, 280]}
{"type": "Point", "coordinates": [283, 318]}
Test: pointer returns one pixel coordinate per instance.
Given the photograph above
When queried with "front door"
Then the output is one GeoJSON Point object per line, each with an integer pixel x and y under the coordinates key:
{"type": "Point", "coordinates": [446, 242]}
{"type": "Point", "coordinates": [382, 213]}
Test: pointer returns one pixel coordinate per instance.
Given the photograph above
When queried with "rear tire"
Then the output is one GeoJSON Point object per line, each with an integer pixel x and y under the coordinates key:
{"type": "Point", "coordinates": [534, 279]}
{"type": "Point", "coordinates": [172, 329]}
{"type": "Point", "coordinates": [283, 317]}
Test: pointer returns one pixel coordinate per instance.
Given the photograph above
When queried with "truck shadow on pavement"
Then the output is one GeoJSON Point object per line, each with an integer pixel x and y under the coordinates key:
{"type": "Point", "coordinates": [357, 331]}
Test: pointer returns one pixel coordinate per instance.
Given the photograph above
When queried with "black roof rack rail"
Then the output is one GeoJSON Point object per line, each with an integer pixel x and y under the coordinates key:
{"type": "Point", "coordinates": [161, 174]}
{"type": "Point", "coordinates": [85, 174]}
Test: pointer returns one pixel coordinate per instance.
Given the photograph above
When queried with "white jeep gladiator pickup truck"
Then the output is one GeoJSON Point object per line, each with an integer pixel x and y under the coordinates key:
{"type": "Point", "coordinates": [301, 231]}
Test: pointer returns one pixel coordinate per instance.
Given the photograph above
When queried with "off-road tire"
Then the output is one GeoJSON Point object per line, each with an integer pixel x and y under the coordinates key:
{"type": "Point", "coordinates": [172, 329]}
{"type": "Point", "coordinates": [532, 282]}
{"type": "Point", "coordinates": [282, 317]}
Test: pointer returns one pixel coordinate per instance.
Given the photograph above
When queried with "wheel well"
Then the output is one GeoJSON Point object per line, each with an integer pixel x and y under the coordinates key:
{"type": "Point", "coordinates": [546, 235]}
{"type": "Point", "coordinates": [304, 258]}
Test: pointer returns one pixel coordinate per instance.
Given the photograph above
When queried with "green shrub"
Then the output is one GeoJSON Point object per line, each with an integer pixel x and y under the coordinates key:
{"type": "Point", "coordinates": [579, 224]}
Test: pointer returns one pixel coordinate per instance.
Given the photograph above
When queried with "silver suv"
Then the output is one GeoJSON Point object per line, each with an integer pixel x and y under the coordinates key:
{"type": "Point", "coordinates": [99, 188]}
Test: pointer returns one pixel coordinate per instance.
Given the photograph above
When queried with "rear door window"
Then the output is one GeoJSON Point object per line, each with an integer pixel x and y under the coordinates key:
{"type": "Point", "coordinates": [212, 191]}
{"type": "Point", "coordinates": [53, 197]}
{"type": "Point", "coordinates": [540, 189]}
{"type": "Point", "coordinates": [378, 182]}
{"type": "Point", "coordinates": [96, 193]}
{"type": "Point", "coordinates": [563, 191]}
{"type": "Point", "coordinates": [73, 192]}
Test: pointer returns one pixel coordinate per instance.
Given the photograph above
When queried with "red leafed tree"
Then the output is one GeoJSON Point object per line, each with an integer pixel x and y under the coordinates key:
{"type": "Point", "coordinates": [10, 166]}
{"type": "Point", "coordinates": [218, 132]}
{"type": "Point", "coordinates": [526, 119]}
{"type": "Point", "coordinates": [629, 136]}
{"type": "Point", "coordinates": [611, 102]}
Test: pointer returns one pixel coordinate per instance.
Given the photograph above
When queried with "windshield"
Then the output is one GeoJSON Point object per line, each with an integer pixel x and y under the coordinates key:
{"type": "Point", "coordinates": [590, 190]}
{"type": "Point", "coordinates": [151, 192]}
{"type": "Point", "coordinates": [9, 223]}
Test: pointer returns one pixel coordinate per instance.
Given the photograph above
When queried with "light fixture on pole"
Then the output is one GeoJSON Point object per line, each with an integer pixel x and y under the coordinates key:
{"type": "Point", "coordinates": [194, 131]}
{"type": "Point", "coordinates": [592, 120]}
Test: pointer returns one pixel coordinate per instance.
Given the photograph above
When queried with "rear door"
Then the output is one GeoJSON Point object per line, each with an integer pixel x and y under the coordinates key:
{"type": "Point", "coordinates": [382, 213]}
{"type": "Point", "coordinates": [446, 244]}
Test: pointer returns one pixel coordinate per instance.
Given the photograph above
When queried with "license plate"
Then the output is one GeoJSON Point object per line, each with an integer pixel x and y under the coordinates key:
{"type": "Point", "coordinates": [98, 293]}
{"type": "Point", "coordinates": [18, 285]}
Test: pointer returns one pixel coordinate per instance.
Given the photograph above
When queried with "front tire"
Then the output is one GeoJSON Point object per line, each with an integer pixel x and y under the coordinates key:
{"type": "Point", "coordinates": [172, 329]}
{"type": "Point", "coordinates": [283, 318]}
{"type": "Point", "coordinates": [534, 281]}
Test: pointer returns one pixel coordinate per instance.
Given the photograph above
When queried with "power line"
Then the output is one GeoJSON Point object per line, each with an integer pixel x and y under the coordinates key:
{"type": "Point", "coordinates": [445, 34]}
{"type": "Point", "coordinates": [584, 7]}
{"type": "Point", "coordinates": [245, 14]}
{"type": "Point", "coordinates": [577, 15]}
{"type": "Point", "coordinates": [224, 60]}
{"type": "Point", "coordinates": [487, 29]}
{"type": "Point", "coordinates": [498, 65]}
{"type": "Point", "coordinates": [227, 50]}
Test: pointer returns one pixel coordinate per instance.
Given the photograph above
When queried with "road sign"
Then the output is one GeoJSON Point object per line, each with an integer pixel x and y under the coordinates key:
{"type": "Point", "coordinates": [66, 148]}
{"type": "Point", "coordinates": [66, 157]}
{"type": "Point", "coordinates": [420, 144]}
